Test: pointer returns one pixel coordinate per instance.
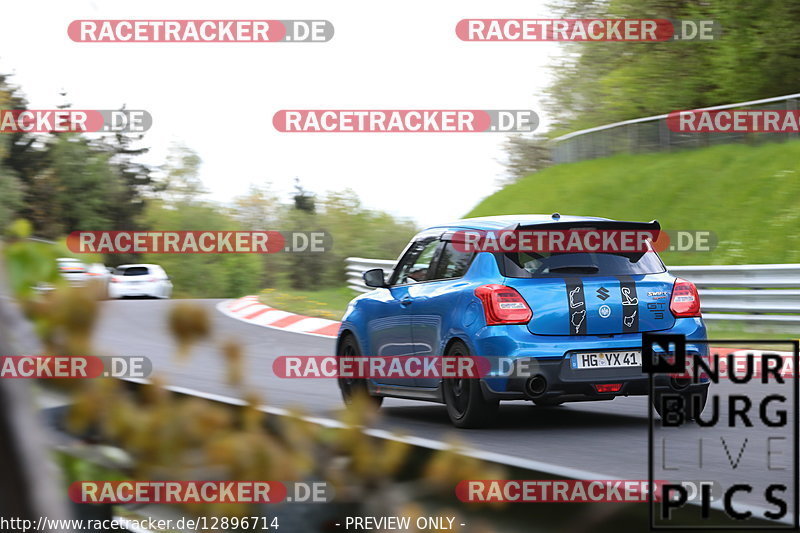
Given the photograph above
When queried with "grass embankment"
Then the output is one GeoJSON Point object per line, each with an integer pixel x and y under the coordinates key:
{"type": "Point", "coordinates": [748, 196]}
{"type": "Point", "coordinates": [329, 303]}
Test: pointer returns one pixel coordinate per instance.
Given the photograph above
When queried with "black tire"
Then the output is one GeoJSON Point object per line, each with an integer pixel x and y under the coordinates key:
{"type": "Point", "coordinates": [466, 406]}
{"type": "Point", "coordinates": [691, 407]}
{"type": "Point", "coordinates": [350, 387]}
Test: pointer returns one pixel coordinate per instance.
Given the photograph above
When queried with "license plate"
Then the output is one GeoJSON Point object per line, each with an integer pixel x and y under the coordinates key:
{"type": "Point", "coordinates": [583, 361]}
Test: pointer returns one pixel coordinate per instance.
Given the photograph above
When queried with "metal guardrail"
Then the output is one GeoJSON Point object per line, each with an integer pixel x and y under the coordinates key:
{"type": "Point", "coordinates": [758, 294]}
{"type": "Point", "coordinates": [651, 134]}
{"type": "Point", "coordinates": [785, 276]}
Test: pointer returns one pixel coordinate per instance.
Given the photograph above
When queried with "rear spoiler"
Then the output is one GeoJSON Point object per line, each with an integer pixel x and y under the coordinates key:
{"type": "Point", "coordinates": [653, 225]}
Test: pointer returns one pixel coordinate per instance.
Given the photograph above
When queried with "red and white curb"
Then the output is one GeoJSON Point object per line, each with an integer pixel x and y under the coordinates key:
{"type": "Point", "coordinates": [249, 309]}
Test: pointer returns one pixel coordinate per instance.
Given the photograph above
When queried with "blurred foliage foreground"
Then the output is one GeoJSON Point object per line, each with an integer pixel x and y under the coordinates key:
{"type": "Point", "coordinates": [165, 436]}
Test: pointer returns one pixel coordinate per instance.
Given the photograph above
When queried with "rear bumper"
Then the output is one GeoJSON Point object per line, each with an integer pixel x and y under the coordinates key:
{"type": "Point", "coordinates": [121, 290]}
{"type": "Point", "coordinates": [549, 357]}
{"type": "Point", "coordinates": [564, 384]}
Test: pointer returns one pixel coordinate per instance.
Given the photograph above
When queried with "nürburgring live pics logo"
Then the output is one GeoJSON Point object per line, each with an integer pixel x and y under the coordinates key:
{"type": "Point", "coordinates": [744, 443]}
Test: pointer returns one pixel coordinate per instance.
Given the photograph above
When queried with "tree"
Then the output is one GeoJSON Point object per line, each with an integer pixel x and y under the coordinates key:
{"type": "Point", "coordinates": [80, 182]}
{"type": "Point", "coordinates": [526, 155]}
{"type": "Point", "coordinates": [10, 186]}
{"type": "Point", "coordinates": [303, 200]}
{"type": "Point", "coordinates": [135, 179]}
{"type": "Point", "coordinates": [358, 231]}
{"type": "Point", "coordinates": [182, 184]}
{"type": "Point", "coordinates": [258, 209]}
{"type": "Point", "coordinates": [261, 210]}
{"type": "Point", "coordinates": [202, 275]}
{"type": "Point", "coordinates": [601, 82]}
{"type": "Point", "coordinates": [21, 159]}
{"type": "Point", "coordinates": [182, 207]}
{"type": "Point", "coordinates": [10, 196]}
{"type": "Point", "coordinates": [66, 181]}
{"type": "Point", "coordinates": [305, 269]}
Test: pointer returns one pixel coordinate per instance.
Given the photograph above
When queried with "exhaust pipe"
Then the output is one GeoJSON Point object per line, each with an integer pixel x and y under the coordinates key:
{"type": "Point", "coordinates": [536, 386]}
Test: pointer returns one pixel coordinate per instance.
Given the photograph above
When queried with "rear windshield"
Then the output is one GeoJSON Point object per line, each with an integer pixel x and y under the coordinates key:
{"type": "Point", "coordinates": [534, 265]}
{"type": "Point", "coordinates": [133, 271]}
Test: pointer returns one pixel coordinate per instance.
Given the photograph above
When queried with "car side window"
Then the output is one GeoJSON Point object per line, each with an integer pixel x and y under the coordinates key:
{"type": "Point", "coordinates": [452, 262]}
{"type": "Point", "coordinates": [416, 263]}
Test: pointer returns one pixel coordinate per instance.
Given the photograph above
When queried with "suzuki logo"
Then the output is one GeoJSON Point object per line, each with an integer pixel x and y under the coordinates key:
{"type": "Point", "coordinates": [603, 294]}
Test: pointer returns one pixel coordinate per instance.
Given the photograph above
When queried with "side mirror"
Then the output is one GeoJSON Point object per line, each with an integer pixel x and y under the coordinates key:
{"type": "Point", "coordinates": [374, 278]}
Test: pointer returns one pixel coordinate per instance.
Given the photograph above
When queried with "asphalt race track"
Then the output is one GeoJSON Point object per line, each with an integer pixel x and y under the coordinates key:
{"type": "Point", "coordinates": [602, 439]}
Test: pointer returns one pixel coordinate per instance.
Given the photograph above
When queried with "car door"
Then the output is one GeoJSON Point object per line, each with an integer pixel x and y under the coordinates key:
{"type": "Point", "coordinates": [436, 300]}
{"type": "Point", "coordinates": [389, 326]}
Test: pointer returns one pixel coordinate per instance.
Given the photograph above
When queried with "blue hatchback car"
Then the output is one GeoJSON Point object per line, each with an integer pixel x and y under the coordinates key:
{"type": "Point", "coordinates": [573, 322]}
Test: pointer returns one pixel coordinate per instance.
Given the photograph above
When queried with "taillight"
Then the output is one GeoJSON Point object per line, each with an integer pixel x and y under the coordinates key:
{"type": "Point", "coordinates": [503, 305]}
{"type": "Point", "coordinates": [685, 301]}
{"type": "Point", "coordinates": [115, 279]}
{"type": "Point", "coordinates": [608, 387]}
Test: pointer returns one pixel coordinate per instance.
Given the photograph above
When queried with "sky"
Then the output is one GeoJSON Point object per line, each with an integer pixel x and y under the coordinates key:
{"type": "Point", "coordinates": [219, 99]}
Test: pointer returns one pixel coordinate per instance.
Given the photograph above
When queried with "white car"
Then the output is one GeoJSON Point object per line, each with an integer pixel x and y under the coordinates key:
{"type": "Point", "coordinates": [72, 270]}
{"type": "Point", "coordinates": [139, 280]}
